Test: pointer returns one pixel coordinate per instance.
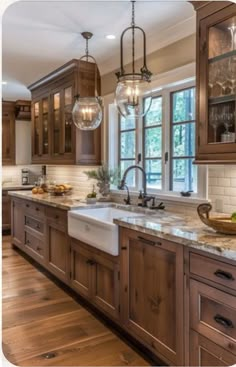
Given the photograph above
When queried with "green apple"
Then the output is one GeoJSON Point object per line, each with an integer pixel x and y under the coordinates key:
{"type": "Point", "coordinates": [233, 217]}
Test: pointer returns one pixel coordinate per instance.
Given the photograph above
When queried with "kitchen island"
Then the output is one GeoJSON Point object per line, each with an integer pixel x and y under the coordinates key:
{"type": "Point", "coordinates": [172, 287]}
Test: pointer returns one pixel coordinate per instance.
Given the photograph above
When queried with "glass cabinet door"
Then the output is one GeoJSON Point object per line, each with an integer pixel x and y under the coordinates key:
{"type": "Point", "coordinates": [56, 123]}
{"type": "Point", "coordinates": [45, 126]}
{"type": "Point", "coordinates": [67, 119]}
{"type": "Point", "coordinates": [36, 136]}
{"type": "Point", "coordinates": [222, 82]}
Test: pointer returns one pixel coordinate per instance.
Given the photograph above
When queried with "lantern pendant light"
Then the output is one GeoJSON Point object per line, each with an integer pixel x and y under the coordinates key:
{"type": "Point", "coordinates": [131, 86]}
{"type": "Point", "coordinates": [87, 111]}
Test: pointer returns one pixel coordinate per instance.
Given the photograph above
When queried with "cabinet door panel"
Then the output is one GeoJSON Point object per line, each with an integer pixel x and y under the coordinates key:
{"type": "Point", "coordinates": [81, 270]}
{"type": "Point", "coordinates": [8, 133]}
{"type": "Point", "coordinates": [204, 352]}
{"type": "Point", "coordinates": [58, 251]}
{"type": "Point", "coordinates": [17, 223]}
{"type": "Point", "coordinates": [6, 211]}
{"type": "Point", "coordinates": [152, 289]}
{"type": "Point", "coordinates": [106, 285]}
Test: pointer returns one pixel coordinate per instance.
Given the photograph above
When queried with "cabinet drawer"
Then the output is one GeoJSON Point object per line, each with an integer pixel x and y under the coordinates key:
{"type": "Point", "coordinates": [34, 209]}
{"type": "Point", "coordinates": [34, 245]}
{"type": "Point", "coordinates": [57, 215]}
{"type": "Point", "coordinates": [34, 224]}
{"type": "Point", "coordinates": [214, 270]}
{"type": "Point", "coordinates": [213, 314]}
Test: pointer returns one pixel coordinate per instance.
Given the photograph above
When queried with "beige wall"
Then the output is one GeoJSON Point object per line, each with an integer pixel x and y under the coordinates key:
{"type": "Point", "coordinates": [170, 57]}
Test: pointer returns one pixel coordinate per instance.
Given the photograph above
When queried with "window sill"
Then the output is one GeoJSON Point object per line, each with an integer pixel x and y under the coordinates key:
{"type": "Point", "coordinates": [192, 201]}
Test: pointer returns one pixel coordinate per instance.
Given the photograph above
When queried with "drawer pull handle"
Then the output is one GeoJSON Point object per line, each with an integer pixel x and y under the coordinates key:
{"type": "Point", "coordinates": [223, 321]}
{"type": "Point", "coordinates": [37, 209]}
{"type": "Point", "coordinates": [223, 275]}
{"type": "Point", "coordinates": [56, 216]}
{"type": "Point", "coordinates": [90, 262]}
{"type": "Point", "coordinates": [149, 242]}
{"type": "Point", "coordinates": [27, 205]}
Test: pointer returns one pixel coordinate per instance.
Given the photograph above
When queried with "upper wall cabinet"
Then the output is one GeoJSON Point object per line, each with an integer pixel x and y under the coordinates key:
{"type": "Point", "coordinates": [216, 82]}
{"type": "Point", "coordinates": [55, 139]}
{"type": "Point", "coordinates": [8, 133]}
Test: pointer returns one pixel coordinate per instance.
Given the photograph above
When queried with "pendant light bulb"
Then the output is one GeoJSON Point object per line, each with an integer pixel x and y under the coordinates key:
{"type": "Point", "coordinates": [87, 112]}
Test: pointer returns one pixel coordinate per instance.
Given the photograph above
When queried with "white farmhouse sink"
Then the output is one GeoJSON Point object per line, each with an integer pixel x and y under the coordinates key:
{"type": "Point", "coordinates": [96, 228]}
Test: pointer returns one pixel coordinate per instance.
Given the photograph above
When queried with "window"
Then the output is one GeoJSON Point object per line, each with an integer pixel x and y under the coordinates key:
{"type": "Point", "coordinates": [152, 142]}
{"type": "Point", "coordinates": [163, 142]}
{"type": "Point", "coordinates": [183, 175]}
{"type": "Point", "coordinates": [127, 147]}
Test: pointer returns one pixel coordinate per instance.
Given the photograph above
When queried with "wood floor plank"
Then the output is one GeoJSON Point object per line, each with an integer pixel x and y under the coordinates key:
{"type": "Point", "coordinates": [44, 326]}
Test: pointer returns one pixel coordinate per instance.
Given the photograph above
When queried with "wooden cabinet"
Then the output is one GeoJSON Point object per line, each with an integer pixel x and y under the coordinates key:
{"type": "Point", "coordinates": [58, 250]}
{"type": "Point", "coordinates": [55, 139]}
{"type": "Point", "coordinates": [206, 353]}
{"type": "Point", "coordinates": [8, 133]}
{"type": "Point", "coordinates": [95, 275]}
{"type": "Point", "coordinates": [6, 211]}
{"type": "Point", "coordinates": [152, 293]}
{"type": "Point", "coordinates": [17, 222]}
{"type": "Point", "coordinates": [216, 83]}
{"type": "Point", "coordinates": [212, 310]}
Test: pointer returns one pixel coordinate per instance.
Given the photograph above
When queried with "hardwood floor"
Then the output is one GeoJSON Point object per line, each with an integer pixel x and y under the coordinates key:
{"type": "Point", "coordinates": [44, 326]}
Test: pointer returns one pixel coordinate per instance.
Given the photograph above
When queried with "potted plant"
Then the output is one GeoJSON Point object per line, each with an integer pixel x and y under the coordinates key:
{"type": "Point", "coordinates": [104, 176]}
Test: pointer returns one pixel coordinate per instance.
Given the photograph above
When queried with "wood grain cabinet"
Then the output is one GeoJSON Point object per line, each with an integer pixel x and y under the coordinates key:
{"type": "Point", "coordinates": [17, 223]}
{"type": "Point", "coordinates": [6, 211]}
{"type": "Point", "coordinates": [216, 88]}
{"type": "Point", "coordinates": [152, 293]}
{"type": "Point", "coordinates": [95, 275]}
{"type": "Point", "coordinates": [212, 300]}
{"type": "Point", "coordinates": [55, 139]}
{"type": "Point", "coordinates": [8, 133]}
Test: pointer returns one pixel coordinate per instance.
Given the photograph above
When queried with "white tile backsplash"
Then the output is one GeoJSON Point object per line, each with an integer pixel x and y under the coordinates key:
{"type": "Point", "coordinates": [222, 188]}
{"type": "Point", "coordinates": [12, 174]}
{"type": "Point", "coordinates": [221, 181]}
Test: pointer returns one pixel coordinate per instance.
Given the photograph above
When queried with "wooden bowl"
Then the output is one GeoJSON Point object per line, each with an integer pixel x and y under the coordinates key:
{"type": "Point", "coordinates": [219, 224]}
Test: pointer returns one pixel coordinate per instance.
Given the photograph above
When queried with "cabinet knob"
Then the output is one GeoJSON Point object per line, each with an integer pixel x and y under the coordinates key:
{"type": "Point", "coordinates": [38, 226]}
{"type": "Point", "coordinates": [27, 205]}
{"type": "Point", "coordinates": [37, 209]}
{"type": "Point", "coordinates": [38, 248]}
{"type": "Point", "coordinates": [56, 216]}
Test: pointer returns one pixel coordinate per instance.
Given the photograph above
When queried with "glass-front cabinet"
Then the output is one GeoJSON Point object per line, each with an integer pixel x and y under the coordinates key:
{"type": "Point", "coordinates": [55, 139]}
{"type": "Point", "coordinates": [216, 65]}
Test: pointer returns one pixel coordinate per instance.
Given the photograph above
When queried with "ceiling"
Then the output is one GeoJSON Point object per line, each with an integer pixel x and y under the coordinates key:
{"type": "Point", "coordinates": [39, 36]}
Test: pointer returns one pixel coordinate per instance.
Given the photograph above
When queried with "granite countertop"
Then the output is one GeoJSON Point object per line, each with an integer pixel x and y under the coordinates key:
{"type": "Point", "coordinates": [6, 187]}
{"type": "Point", "coordinates": [183, 229]}
{"type": "Point", "coordinates": [66, 202]}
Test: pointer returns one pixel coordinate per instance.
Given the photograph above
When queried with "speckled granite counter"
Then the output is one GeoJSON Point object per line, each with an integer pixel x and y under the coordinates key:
{"type": "Point", "coordinates": [185, 230]}
{"type": "Point", "coordinates": [182, 229]}
{"type": "Point", "coordinates": [67, 202]}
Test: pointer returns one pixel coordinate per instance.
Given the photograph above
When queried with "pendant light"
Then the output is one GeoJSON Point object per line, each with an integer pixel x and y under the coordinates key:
{"type": "Point", "coordinates": [131, 86]}
{"type": "Point", "coordinates": [87, 111]}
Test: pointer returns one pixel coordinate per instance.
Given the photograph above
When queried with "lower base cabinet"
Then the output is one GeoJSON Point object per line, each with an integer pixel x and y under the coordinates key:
{"type": "Point", "coordinates": [152, 293]}
{"type": "Point", "coordinates": [206, 353]}
{"type": "Point", "coordinates": [95, 275]}
{"type": "Point", "coordinates": [58, 250]}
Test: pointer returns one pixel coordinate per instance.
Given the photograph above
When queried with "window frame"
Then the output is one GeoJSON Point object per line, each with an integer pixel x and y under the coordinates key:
{"type": "Point", "coordinates": [165, 92]}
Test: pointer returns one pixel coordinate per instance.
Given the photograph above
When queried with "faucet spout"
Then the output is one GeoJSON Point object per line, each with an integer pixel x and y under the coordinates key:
{"type": "Point", "coordinates": [123, 180]}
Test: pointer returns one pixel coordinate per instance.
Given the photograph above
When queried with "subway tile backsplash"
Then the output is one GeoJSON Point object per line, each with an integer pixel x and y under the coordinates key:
{"type": "Point", "coordinates": [222, 188]}
{"type": "Point", "coordinates": [221, 182]}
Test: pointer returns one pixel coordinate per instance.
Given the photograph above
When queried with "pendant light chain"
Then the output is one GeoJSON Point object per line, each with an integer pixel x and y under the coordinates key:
{"type": "Point", "coordinates": [133, 35]}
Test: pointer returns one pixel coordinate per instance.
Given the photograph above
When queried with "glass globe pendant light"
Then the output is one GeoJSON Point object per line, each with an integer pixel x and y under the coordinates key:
{"type": "Point", "coordinates": [87, 111]}
{"type": "Point", "coordinates": [131, 86]}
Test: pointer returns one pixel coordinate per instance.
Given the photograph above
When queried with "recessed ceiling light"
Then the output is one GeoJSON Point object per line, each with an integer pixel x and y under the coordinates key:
{"type": "Point", "coordinates": [4, 82]}
{"type": "Point", "coordinates": [110, 37]}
